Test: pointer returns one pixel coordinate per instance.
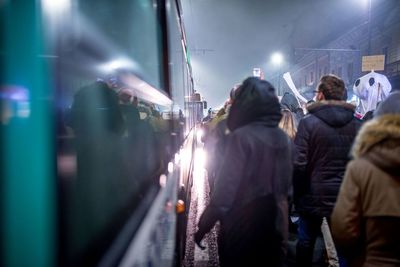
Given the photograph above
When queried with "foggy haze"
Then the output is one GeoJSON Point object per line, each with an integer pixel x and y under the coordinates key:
{"type": "Point", "coordinates": [227, 38]}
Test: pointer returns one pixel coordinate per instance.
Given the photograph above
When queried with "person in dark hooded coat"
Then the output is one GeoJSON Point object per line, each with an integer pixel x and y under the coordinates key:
{"type": "Point", "coordinates": [253, 183]}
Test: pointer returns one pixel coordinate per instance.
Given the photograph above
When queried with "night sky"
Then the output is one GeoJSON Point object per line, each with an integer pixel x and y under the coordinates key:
{"type": "Point", "coordinates": [227, 38]}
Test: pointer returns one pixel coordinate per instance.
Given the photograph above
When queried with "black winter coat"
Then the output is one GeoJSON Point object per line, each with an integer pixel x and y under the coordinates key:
{"type": "Point", "coordinates": [252, 186]}
{"type": "Point", "coordinates": [323, 142]}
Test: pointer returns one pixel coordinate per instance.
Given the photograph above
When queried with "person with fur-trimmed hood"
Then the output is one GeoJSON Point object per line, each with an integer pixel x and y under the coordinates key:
{"type": "Point", "coordinates": [253, 183]}
{"type": "Point", "coordinates": [322, 144]}
{"type": "Point", "coordinates": [366, 218]}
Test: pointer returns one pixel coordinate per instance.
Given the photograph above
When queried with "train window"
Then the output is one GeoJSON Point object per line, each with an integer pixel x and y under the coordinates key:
{"type": "Point", "coordinates": [177, 64]}
{"type": "Point", "coordinates": [112, 142]}
{"type": "Point", "coordinates": [91, 107]}
{"type": "Point", "coordinates": [129, 33]}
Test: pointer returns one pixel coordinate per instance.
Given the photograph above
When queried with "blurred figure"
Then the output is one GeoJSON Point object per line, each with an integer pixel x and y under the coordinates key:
{"type": "Point", "coordinates": [181, 127]}
{"type": "Point", "coordinates": [222, 114]}
{"type": "Point", "coordinates": [290, 103]}
{"type": "Point", "coordinates": [129, 108]}
{"type": "Point", "coordinates": [141, 157]}
{"type": "Point", "coordinates": [181, 116]}
{"type": "Point", "coordinates": [98, 126]}
{"type": "Point", "coordinates": [161, 131]}
{"type": "Point", "coordinates": [215, 132]}
{"type": "Point", "coordinates": [208, 117]}
{"type": "Point", "coordinates": [368, 116]}
{"type": "Point", "coordinates": [252, 186]}
{"type": "Point", "coordinates": [366, 218]}
{"type": "Point", "coordinates": [287, 123]}
{"type": "Point", "coordinates": [323, 142]}
{"type": "Point", "coordinates": [95, 112]}
{"type": "Point", "coordinates": [307, 105]}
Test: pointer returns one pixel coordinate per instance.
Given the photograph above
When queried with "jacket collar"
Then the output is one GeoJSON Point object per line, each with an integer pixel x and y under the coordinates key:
{"type": "Point", "coordinates": [325, 103]}
{"type": "Point", "coordinates": [334, 113]}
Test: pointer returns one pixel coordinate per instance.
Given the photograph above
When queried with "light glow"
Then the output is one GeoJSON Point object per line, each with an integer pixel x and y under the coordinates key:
{"type": "Point", "coordinates": [185, 156]}
{"type": "Point", "coordinates": [145, 91]}
{"type": "Point", "coordinates": [277, 58]}
{"type": "Point", "coordinates": [199, 173]}
{"type": "Point", "coordinates": [366, 3]}
{"type": "Point", "coordinates": [170, 167]}
{"type": "Point", "coordinates": [55, 6]}
{"type": "Point", "coordinates": [163, 180]}
{"type": "Point", "coordinates": [122, 63]}
{"type": "Point", "coordinates": [177, 158]}
{"type": "Point", "coordinates": [199, 135]}
{"type": "Point", "coordinates": [199, 160]}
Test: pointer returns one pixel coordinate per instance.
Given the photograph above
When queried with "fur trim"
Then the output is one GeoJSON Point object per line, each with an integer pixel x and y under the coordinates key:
{"type": "Point", "coordinates": [332, 103]}
{"type": "Point", "coordinates": [376, 131]}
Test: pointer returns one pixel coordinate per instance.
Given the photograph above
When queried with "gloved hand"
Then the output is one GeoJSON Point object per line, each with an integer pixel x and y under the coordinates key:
{"type": "Point", "coordinates": [198, 236]}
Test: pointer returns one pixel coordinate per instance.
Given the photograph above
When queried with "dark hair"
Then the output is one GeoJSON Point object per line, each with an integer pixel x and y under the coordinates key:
{"type": "Point", "coordinates": [332, 87]}
{"type": "Point", "coordinates": [233, 92]}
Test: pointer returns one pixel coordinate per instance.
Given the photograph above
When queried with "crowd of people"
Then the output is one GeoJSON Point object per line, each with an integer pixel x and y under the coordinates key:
{"type": "Point", "coordinates": [266, 155]}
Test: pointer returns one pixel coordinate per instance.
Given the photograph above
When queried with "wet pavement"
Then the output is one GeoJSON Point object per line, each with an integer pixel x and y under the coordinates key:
{"type": "Point", "coordinates": [200, 197]}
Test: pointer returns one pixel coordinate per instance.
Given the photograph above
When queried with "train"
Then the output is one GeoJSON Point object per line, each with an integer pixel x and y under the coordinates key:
{"type": "Point", "coordinates": [96, 132]}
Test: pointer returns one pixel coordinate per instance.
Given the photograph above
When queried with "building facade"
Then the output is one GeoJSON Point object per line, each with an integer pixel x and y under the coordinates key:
{"type": "Point", "coordinates": [342, 54]}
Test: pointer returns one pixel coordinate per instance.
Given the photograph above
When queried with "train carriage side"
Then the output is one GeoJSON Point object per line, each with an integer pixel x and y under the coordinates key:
{"type": "Point", "coordinates": [93, 130]}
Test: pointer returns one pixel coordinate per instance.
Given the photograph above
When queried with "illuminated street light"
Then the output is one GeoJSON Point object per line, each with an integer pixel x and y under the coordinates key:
{"type": "Point", "coordinates": [364, 2]}
{"type": "Point", "coordinates": [277, 59]}
{"type": "Point", "coordinates": [368, 4]}
{"type": "Point", "coordinates": [369, 26]}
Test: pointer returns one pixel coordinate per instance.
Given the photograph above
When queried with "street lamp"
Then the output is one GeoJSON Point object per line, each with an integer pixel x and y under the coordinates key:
{"type": "Point", "coordinates": [369, 26]}
{"type": "Point", "coordinates": [368, 4]}
{"type": "Point", "coordinates": [277, 60]}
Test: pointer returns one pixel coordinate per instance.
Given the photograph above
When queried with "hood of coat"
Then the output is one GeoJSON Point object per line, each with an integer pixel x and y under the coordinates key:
{"type": "Point", "coordinates": [289, 102]}
{"type": "Point", "coordinates": [333, 112]}
{"type": "Point", "coordinates": [255, 100]}
{"type": "Point", "coordinates": [379, 142]}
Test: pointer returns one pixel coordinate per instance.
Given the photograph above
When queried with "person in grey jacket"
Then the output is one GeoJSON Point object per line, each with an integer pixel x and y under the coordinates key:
{"type": "Point", "coordinates": [253, 183]}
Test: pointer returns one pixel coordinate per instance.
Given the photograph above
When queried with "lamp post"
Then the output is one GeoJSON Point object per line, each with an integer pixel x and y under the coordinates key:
{"type": "Point", "coordinates": [277, 60]}
{"type": "Point", "coordinates": [369, 26]}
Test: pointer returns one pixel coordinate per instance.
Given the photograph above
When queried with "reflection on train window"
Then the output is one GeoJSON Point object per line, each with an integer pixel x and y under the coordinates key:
{"type": "Point", "coordinates": [118, 152]}
{"type": "Point", "coordinates": [112, 145]}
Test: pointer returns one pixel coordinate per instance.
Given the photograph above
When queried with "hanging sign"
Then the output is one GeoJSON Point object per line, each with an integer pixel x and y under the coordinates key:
{"type": "Point", "coordinates": [373, 63]}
